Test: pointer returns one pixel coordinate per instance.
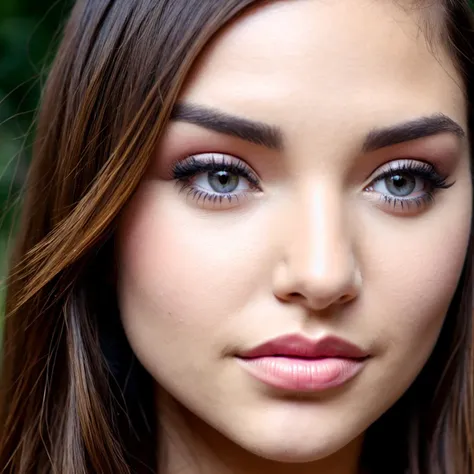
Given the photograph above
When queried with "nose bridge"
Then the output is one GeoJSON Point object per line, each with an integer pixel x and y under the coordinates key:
{"type": "Point", "coordinates": [320, 254]}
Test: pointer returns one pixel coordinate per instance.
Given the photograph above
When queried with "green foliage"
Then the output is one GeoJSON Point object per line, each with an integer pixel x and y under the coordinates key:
{"type": "Point", "coordinates": [29, 32]}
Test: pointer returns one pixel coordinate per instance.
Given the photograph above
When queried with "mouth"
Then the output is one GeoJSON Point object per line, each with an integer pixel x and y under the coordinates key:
{"type": "Point", "coordinates": [295, 363]}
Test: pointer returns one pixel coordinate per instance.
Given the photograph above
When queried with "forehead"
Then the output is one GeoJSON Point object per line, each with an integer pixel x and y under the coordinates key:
{"type": "Point", "coordinates": [330, 56]}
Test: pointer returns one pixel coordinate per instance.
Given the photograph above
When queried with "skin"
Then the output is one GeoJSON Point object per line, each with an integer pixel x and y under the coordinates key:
{"type": "Point", "coordinates": [314, 251]}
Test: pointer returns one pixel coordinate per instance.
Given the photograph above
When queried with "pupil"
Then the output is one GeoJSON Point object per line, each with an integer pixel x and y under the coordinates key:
{"type": "Point", "coordinates": [223, 177]}
{"type": "Point", "coordinates": [399, 181]}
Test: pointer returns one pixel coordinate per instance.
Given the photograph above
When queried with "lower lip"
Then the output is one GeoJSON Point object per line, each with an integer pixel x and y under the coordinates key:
{"type": "Point", "coordinates": [303, 375]}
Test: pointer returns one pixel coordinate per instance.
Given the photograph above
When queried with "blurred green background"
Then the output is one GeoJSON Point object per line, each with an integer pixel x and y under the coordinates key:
{"type": "Point", "coordinates": [29, 34]}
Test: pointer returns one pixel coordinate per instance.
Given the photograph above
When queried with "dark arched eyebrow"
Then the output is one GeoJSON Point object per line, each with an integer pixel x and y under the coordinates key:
{"type": "Point", "coordinates": [412, 130]}
{"type": "Point", "coordinates": [221, 122]}
{"type": "Point", "coordinates": [272, 136]}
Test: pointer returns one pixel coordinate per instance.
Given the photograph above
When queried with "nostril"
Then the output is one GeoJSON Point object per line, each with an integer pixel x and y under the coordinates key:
{"type": "Point", "coordinates": [346, 298]}
{"type": "Point", "coordinates": [294, 297]}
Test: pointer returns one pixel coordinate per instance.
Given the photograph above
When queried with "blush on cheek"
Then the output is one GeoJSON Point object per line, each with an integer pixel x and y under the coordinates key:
{"type": "Point", "coordinates": [181, 263]}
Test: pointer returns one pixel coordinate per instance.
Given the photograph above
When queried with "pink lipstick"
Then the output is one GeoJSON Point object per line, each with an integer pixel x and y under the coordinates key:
{"type": "Point", "coordinates": [296, 363]}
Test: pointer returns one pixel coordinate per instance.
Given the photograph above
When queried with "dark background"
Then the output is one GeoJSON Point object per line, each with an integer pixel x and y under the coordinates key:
{"type": "Point", "coordinates": [29, 34]}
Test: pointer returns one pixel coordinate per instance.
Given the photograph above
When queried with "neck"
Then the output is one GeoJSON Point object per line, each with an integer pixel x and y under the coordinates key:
{"type": "Point", "coordinates": [190, 446]}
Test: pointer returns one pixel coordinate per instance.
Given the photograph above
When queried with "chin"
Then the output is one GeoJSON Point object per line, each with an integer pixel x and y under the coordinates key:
{"type": "Point", "coordinates": [292, 457]}
{"type": "Point", "coordinates": [288, 447]}
{"type": "Point", "coordinates": [287, 453]}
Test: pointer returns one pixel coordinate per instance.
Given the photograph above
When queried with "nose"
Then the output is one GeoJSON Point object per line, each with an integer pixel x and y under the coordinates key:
{"type": "Point", "coordinates": [318, 266]}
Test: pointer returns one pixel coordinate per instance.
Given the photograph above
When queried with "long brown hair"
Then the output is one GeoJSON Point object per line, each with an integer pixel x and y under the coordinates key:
{"type": "Point", "coordinates": [73, 397]}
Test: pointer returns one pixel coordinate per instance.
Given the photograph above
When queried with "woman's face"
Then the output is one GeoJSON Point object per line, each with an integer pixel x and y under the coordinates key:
{"type": "Point", "coordinates": [313, 183]}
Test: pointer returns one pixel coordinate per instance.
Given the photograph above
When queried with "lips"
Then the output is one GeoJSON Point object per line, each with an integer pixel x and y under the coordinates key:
{"type": "Point", "coordinates": [299, 346]}
{"type": "Point", "coordinates": [295, 363]}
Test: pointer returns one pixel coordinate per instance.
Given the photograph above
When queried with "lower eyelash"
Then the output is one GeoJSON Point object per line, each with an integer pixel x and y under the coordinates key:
{"type": "Point", "coordinates": [198, 194]}
{"type": "Point", "coordinates": [203, 196]}
{"type": "Point", "coordinates": [427, 199]}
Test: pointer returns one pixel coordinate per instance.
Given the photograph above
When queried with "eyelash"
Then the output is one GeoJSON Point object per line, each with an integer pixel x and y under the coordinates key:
{"type": "Point", "coordinates": [184, 171]}
{"type": "Point", "coordinates": [415, 169]}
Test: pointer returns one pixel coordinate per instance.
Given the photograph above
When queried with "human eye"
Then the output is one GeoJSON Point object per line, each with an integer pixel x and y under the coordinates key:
{"type": "Point", "coordinates": [408, 183]}
{"type": "Point", "coordinates": [218, 180]}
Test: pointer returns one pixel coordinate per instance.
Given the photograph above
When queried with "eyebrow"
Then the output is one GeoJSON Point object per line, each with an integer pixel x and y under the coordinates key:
{"type": "Point", "coordinates": [272, 136]}
{"type": "Point", "coordinates": [412, 130]}
{"type": "Point", "coordinates": [254, 132]}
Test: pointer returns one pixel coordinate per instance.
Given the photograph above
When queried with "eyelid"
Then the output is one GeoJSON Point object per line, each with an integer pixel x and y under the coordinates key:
{"type": "Point", "coordinates": [204, 162]}
{"type": "Point", "coordinates": [403, 164]}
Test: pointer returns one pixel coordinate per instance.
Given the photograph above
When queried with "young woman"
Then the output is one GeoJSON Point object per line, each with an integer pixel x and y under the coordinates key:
{"type": "Point", "coordinates": [246, 243]}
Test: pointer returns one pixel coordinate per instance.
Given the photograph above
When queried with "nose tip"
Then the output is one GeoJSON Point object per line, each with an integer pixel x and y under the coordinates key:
{"type": "Point", "coordinates": [319, 286]}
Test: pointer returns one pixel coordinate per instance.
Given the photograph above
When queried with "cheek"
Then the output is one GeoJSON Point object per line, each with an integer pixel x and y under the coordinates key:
{"type": "Point", "coordinates": [182, 272]}
{"type": "Point", "coordinates": [410, 281]}
{"type": "Point", "coordinates": [419, 271]}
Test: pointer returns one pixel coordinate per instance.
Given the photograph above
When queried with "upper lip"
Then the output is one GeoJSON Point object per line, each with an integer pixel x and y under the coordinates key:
{"type": "Point", "coordinates": [295, 345]}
